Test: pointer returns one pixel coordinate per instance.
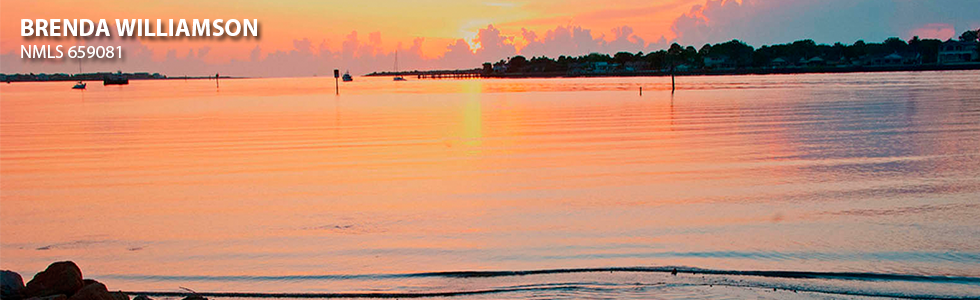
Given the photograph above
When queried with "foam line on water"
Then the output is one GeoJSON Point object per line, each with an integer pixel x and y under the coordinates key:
{"type": "Point", "coordinates": [664, 269]}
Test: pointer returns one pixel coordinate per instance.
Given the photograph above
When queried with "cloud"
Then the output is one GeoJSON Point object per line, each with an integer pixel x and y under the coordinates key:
{"type": "Point", "coordinates": [756, 22]}
{"type": "Point", "coordinates": [940, 31]}
{"type": "Point", "coordinates": [491, 45]}
{"type": "Point", "coordinates": [563, 40]}
{"type": "Point", "coordinates": [625, 40]}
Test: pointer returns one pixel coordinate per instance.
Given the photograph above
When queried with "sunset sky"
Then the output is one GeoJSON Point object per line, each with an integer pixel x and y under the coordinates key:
{"type": "Point", "coordinates": [303, 38]}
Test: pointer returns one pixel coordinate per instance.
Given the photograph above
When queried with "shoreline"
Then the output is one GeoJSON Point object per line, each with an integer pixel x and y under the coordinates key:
{"type": "Point", "coordinates": [64, 281]}
{"type": "Point", "coordinates": [658, 73]}
{"type": "Point", "coordinates": [132, 79]}
{"type": "Point", "coordinates": [786, 71]}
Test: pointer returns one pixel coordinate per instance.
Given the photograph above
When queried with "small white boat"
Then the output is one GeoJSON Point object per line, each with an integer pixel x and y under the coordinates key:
{"type": "Point", "coordinates": [80, 85]}
{"type": "Point", "coordinates": [397, 77]}
{"type": "Point", "coordinates": [347, 77]}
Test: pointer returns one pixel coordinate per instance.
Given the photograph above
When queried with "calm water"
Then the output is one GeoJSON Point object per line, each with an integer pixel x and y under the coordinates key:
{"type": "Point", "coordinates": [279, 186]}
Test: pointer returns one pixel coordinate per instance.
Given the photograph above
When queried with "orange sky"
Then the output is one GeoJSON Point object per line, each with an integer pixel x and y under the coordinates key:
{"type": "Point", "coordinates": [282, 22]}
{"type": "Point", "coordinates": [309, 37]}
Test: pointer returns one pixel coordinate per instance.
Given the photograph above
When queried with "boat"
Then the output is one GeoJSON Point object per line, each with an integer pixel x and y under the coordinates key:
{"type": "Point", "coordinates": [80, 85]}
{"type": "Point", "coordinates": [397, 77]}
{"type": "Point", "coordinates": [347, 77]}
{"type": "Point", "coordinates": [115, 79]}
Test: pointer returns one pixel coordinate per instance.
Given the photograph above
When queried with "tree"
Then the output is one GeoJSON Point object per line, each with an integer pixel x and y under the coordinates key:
{"type": "Point", "coordinates": [675, 49]}
{"type": "Point", "coordinates": [705, 50]}
{"type": "Point", "coordinates": [737, 51]}
{"type": "Point", "coordinates": [657, 59]}
{"type": "Point", "coordinates": [970, 35]}
{"type": "Point", "coordinates": [623, 57]}
{"type": "Point", "coordinates": [896, 44]}
{"type": "Point", "coordinates": [516, 64]}
{"type": "Point", "coordinates": [929, 49]}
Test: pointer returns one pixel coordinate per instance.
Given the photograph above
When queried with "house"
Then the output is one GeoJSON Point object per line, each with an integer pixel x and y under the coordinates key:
{"type": "Point", "coordinates": [636, 65]}
{"type": "Point", "coordinates": [499, 67]}
{"type": "Point", "coordinates": [953, 52]}
{"type": "Point", "coordinates": [846, 62]}
{"type": "Point", "coordinates": [601, 67]}
{"type": "Point", "coordinates": [779, 63]}
{"type": "Point", "coordinates": [719, 62]}
{"type": "Point", "coordinates": [816, 61]}
{"type": "Point", "coordinates": [894, 59]}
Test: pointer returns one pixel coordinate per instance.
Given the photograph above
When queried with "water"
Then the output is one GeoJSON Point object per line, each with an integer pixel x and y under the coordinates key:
{"type": "Point", "coordinates": [279, 186]}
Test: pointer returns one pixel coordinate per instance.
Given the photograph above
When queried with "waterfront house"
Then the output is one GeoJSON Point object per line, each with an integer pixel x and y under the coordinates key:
{"type": "Point", "coordinates": [499, 67]}
{"type": "Point", "coordinates": [816, 61]}
{"type": "Point", "coordinates": [719, 62]}
{"type": "Point", "coordinates": [636, 65]}
{"type": "Point", "coordinates": [779, 63]}
{"type": "Point", "coordinates": [954, 52]}
{"type": "Point", "coordinates": [893, 59]}
{"type": "Point", "coordinates": [601, 67]}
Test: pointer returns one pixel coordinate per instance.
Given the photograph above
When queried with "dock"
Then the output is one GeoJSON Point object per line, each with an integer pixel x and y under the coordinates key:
{"type": "Point", "coordinates": [437, 74]}
{"type": "Point", "coordinates": [453, 74]}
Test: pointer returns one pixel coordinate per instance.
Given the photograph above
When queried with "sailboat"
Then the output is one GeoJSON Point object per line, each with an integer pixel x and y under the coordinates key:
{"type": "Point", "coordinates": [397, 76]}
{"type": "Point", "coordinates": [80, 85]}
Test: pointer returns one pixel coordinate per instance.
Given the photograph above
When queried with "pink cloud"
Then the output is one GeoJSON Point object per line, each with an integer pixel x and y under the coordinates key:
{"type": "Point", "coordinates": [940, 31]}
{"type": "Point", "coordinates": [756, 22]}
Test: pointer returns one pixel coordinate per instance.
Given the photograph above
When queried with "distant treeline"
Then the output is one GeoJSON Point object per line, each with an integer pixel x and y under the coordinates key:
{"type": "Point", "coordinates": [736, 55]}
{"type": "Point", "coordinates": [77, 77]}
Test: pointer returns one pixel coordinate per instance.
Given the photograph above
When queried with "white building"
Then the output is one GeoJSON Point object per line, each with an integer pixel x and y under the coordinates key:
{"type": "Point", "coordinates": [953, 52]}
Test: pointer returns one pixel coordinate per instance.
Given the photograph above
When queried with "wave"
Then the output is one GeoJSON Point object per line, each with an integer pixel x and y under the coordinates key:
{"type": "Point", "coordinates": [795, 281]}
{"type": "Point", "coordinates": [666, 269]}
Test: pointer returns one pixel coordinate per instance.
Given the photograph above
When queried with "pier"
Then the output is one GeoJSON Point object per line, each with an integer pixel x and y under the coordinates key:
{"type": "Point", "coordinates": [437, 74]}
{"type": "Point", "coordinates": [454, 74]}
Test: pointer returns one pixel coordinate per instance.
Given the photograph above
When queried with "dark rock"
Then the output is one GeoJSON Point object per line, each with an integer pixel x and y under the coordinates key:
{"type": "Point", "coordinates": [142, 297]}
{"type": "Point", "coordinates": [11, 285]}
{"type": "Point", "coordinates": [119, 296]}
{"type": "Point", "coordinates": [62, 277]}
{"type": "Point", "coordinates": [195, 297]}
{"type": "Point", "coordinates": [92, 291]}
{"type": "Point", "coordinates": [52, 297]}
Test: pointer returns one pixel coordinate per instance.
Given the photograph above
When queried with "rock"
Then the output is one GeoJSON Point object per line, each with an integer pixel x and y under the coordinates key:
{"type": "Point", "coordinates": [142, 297]}
{"type": "Point", "coordinates": [119, 296]}
{"type": "Point", "coordinates": [195, 297]}
{"type": "Point", "coordinates": [92, 291]}
{"type": "Point", "coordinates": [11, 285]}
{"type": "Point", "coordinates": [59, 278]}
{"type": "Point", "coordinates": [52, 297]}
